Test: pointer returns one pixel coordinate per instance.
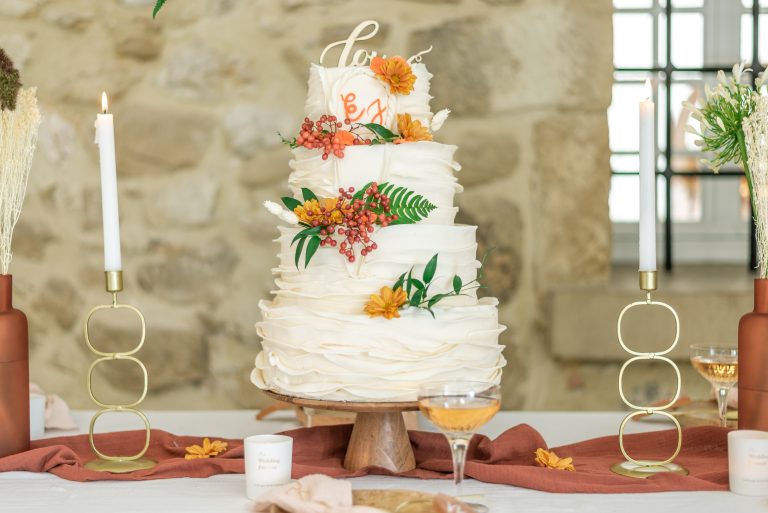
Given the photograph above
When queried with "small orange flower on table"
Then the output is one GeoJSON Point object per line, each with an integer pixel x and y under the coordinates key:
{"type": "Point", "coordinates": [386, 303]}
{"type": "Point", "coordinates": [411, 130]}
{"type": "Point", "coordinates": [207, 450]}
{"type": "Point", "coordinates": [396, 72]}
{"type": "Point", "coordinates": [548, 459]}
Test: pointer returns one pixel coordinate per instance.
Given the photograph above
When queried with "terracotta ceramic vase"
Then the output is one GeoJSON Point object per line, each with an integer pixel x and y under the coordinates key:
{"type": "Point", "coordinates": [14, 374]}
{"type": "Point", "coordinates": [753, 362]}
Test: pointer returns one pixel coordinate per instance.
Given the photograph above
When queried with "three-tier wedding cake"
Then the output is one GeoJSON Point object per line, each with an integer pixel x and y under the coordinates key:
{"type": "Point", "coordinates": [376, 285]}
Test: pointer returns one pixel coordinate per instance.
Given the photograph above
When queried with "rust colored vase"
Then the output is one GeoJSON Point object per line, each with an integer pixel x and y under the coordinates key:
{"type": "Point", "coordinates": [753, 362]}
{"type": "Point", "coordinates": [14, 373]}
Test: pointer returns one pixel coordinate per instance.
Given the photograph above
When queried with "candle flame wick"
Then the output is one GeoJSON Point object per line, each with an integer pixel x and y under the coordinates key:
{"type": "Point", "coordinates": [104, 103]}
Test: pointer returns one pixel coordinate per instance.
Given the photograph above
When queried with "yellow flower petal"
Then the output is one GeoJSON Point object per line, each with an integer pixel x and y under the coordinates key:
{"type": "Point", "coordinates": [548, 459]}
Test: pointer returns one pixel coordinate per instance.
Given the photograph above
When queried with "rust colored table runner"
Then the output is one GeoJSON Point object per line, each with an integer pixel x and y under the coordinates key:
{"type": "Point", "coordinates": [509, 459]}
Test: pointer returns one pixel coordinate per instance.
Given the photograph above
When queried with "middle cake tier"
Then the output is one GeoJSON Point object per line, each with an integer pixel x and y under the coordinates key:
{"type": "Point", "coordinates": [331, 283]}
{"type": "Point", "coordinates": [425, 167]}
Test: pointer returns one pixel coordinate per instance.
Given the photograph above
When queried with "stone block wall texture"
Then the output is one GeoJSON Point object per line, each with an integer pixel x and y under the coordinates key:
{"type": "Point", "coordinates": [198, 96]}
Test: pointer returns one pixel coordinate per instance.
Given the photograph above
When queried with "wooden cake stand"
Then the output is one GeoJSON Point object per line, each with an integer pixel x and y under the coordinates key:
{"type": "Point", "coordinates": [379, 437]}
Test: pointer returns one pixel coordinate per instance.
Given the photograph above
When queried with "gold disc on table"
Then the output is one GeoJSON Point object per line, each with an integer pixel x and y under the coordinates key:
{"type": "Point", "coordinates": [646, 469]}
{"type": "Point", "coordinates": [120, 466]}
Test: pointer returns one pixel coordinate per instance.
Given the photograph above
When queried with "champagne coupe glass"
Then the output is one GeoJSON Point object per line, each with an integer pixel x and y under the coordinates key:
{"type": "Point", "coordinates": [458, 409]}
{"type": "Point", "coordinates": [720, 366]}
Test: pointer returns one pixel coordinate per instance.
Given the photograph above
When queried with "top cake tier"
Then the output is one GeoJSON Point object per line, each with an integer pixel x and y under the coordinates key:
{"type": "Point", "coordinates": [355, 93]}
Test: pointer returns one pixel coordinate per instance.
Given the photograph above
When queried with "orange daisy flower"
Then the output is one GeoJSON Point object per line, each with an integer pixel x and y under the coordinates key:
{"type": "Point", "coordinates": [411, 130]}
{"type": "Point", "coordinates": [396, 72]}
{"type": "Point", "coordinates": [386, 303]}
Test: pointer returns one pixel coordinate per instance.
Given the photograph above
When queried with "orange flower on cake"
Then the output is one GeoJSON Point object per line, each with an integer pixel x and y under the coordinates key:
{"type": "Point", "coordinates": [386, 303]}
{"type": "Point", "coordinates": [548, 459]}
{"type": "Point", "coordinates": [411, 130]}
{"type": "Point", "coordinates": [324, 210]}
{"type": "Point", "coordinates": [207, 450]}
{"type": "Point", "coordinates": [343, 138]}
{"type": "Point", "coordinates": [395, 72]}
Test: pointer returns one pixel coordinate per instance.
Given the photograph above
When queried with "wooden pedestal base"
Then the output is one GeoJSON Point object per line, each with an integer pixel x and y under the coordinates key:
{"type": "Point", "coordinates": [379, 437]}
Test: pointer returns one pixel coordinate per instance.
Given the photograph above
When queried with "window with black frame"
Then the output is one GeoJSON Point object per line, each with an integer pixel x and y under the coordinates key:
{"type": "Point", "coordinates": [704, 217]}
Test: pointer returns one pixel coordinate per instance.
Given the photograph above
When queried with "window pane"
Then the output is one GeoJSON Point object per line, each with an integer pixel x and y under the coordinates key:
{"type": "Point", "coordinates": [688, 40]}
{"type": "Point", "coordinates": [746, 38]}
{"type": "Point", "coordinates": [686, 199]}
{"type": "Point", "coordinates": [623, 116]}
{"type": "Point", "coordinates": [625, 163]}
{"type": "Point", "coordinates": [624, 199]}
{"type": "Point", "coordinates": [632, 40]}
{"type": "Point", "coordinates": [687, 3]}
{"type": "Point", "coordinates": [632, 4]}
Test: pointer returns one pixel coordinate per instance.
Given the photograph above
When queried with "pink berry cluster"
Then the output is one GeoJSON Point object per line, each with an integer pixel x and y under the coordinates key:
{"type": "Point", "coordinates": [356, 219]}
{"type": "Point", "coordinates": [328, 134]}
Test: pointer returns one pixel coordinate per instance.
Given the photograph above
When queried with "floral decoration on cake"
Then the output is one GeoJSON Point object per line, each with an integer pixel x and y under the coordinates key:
{"type": "Point", "coordinates": [386, 303]}
{"type": "Point", "coordinates": [411, 130]}
{"type": "Point", "coordinates": [332, 136]}
{"type": "Point", "coordinates": [395, 72]}
{"type": "Point", "coordinates": [348, 220]}
{"type": "Point", "coordinates": [410, 291]}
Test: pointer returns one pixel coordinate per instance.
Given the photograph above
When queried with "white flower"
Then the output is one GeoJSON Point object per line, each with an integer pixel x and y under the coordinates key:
{"type": "Point", "coordinates": [691, 130]}
{"type": "Point", "coordinates": [761, 78]}
{"type": "Point", "coordinates": [289, 217]}
{"type": "Point", "coordinates": [281, 213]}
{"type": "Point", "coordinates": [438, 120]}
{"type": "Point", "coordinates": [273, 208]}
{"type": "Point", "coordinates": [721, 77]}
{"type": "Point", "coordinates": [737, 70]}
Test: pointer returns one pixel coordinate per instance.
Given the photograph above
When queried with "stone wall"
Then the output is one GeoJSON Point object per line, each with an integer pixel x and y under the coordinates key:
{"type": "Point", "coordinates": [198, 96]}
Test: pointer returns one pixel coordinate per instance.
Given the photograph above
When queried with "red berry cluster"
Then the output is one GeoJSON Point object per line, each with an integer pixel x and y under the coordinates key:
{"type": "Point", "coordinates": [328, 134]}
{"type": "Point", "coordinates": [358, 218]}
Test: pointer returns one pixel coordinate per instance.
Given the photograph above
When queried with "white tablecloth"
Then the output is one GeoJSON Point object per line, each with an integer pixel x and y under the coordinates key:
{"type": "Point", "coordinates": [32, 493]}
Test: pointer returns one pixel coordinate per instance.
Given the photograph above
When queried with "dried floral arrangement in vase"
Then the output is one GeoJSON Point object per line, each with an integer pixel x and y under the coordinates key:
{"type": "Point", "coordinates": [733, 119]}
{"type": "Point", "coordinates": [19, 123]}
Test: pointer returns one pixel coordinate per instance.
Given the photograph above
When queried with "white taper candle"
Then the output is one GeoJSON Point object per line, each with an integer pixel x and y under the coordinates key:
{"type": "Point", "coordinates": [105, 138]}
{"type": "Point", "coordinates": [647, 182]}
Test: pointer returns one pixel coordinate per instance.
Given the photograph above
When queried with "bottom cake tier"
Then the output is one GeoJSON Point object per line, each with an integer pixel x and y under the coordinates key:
{"type": "Point", "coordinates": [353, 357]}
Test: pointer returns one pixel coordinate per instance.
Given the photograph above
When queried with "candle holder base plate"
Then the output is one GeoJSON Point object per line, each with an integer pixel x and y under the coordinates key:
{"type": "Point", "coordinates": [120, 466]}
{"type": "Point", "coordinates": [644, 470]}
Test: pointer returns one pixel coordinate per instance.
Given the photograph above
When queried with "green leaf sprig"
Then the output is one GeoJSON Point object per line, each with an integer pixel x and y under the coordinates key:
{"type": "Point", "coordinates": [159, 5]}
{"type": "Point", "coordinates": [417, 290]}
{"type": "Point", "coordinates": [310, 235]}
{"type": "Point", "coordinates": [409, 206]}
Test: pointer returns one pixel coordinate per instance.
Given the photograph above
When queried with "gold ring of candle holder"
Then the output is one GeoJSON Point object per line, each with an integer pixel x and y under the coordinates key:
{"type": "Point", "coordinates": [632, 467]}
{"type": "Point", "coordinates": [104, 462]}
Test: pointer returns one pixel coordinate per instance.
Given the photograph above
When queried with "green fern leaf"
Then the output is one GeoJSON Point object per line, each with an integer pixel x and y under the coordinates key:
{"type": "Point", "coordinates": [158, 6]}
{"type": "Point", "coordinates": [409, 206]}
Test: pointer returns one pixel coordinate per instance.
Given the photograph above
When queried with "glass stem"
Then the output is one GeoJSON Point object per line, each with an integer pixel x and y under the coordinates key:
{"type": "Point", "coordinates": [722, 404]}
{"type": "Point", "coordinates": [459, 454]}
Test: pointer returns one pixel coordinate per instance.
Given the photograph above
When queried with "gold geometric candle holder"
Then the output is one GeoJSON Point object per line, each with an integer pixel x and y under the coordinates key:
{"type": "Point", "coordinates": [104, 462]}
{"type": "Point", "coordinates": [632, 467]}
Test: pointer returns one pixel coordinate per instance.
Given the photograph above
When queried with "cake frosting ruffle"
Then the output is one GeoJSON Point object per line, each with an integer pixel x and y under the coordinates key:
{"type": "Point", "coordinates": [352, 357]}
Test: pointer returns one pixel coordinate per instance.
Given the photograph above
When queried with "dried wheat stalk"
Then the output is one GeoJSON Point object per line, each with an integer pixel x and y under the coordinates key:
{"type": "Point", "coordinates": [18, 137]}
{"type": "Point", "coordinates": [756, 136]}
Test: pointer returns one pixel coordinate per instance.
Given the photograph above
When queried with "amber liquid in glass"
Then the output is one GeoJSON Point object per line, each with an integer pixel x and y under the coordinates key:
{"type": "Point", "coordinates": [459, 414]}
{"type": "Point", "coordinates": [719, 372]}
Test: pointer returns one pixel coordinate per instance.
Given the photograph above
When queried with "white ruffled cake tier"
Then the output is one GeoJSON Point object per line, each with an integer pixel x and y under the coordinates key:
{"type": "Point", "coordinates": [425, 167]}
{"type": "Point", "coordinates": [353, 357]}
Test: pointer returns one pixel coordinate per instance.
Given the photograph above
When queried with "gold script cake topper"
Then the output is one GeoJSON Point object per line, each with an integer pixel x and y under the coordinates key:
{"type": "Point", "coordinates": [362, 56]}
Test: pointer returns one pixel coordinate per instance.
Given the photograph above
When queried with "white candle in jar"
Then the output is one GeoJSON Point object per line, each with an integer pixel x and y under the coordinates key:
{"type": "Point", "coordinates": [105, 138]}
{"type": "Point", "coordinates": [647, 182]}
